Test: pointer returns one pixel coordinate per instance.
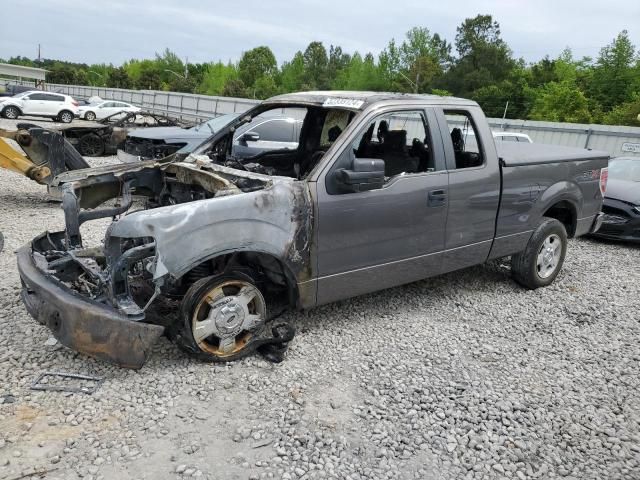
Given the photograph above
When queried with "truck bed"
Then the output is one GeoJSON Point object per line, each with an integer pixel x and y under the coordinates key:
{"type": "Point", "coordinates": [513, 154]}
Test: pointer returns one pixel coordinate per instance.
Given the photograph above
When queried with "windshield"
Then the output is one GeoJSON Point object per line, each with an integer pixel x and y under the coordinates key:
{"type": "Point", "coordinates": [625, 169]}
{"type": "Point", "coordinates": [215, 124]}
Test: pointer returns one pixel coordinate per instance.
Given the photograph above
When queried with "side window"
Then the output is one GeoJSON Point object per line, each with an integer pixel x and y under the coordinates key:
{"type": "Point", "coordinates": [275, 131]}
{"type": "Point", "coordinates": [37, 96]}
{"type": "Point", "coordinates": [464, 137]}
{"type": "Point", "coordinates": [53, 98]}
{"type": "Point", "coordinates": [401, 139]}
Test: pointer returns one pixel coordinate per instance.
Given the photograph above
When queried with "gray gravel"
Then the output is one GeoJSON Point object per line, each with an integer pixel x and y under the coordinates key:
{"type": "Point", "coordinates": [461, 376]}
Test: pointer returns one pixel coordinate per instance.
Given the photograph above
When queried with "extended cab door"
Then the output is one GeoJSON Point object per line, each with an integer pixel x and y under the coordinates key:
{"type": "Point", "coordinates": [474, 186]}
{"type": "Point", "coordinates": [376, 239]}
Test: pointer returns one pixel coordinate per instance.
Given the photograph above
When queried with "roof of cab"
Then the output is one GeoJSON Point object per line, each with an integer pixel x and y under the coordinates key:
{"type": "Point", "coordinates": [361, 100]}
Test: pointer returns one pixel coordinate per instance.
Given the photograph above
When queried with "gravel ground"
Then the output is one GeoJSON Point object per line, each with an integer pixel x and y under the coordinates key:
{"type": "Point", "coordinates": [461, 376]}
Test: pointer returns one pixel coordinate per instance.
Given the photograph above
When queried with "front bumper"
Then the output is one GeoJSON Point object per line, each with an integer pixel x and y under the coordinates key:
{"type": "Point", "coordinates": [82, 324]}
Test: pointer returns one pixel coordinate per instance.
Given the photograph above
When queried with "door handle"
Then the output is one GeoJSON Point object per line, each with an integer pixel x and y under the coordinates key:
{"type": "Point", "coordinates": [437, 198]}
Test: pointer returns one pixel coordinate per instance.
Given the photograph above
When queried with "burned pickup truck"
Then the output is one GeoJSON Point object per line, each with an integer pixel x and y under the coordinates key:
{"type": "Point", "coordinates": [382, 190]}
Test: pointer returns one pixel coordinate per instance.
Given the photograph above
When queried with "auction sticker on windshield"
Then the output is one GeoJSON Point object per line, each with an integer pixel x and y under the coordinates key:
{"type": "Point", "coordinates": [343, 102]}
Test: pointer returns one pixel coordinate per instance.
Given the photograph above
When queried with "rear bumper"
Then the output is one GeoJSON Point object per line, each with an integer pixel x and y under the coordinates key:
{"type": "Point", "coordinates": [82, 324]}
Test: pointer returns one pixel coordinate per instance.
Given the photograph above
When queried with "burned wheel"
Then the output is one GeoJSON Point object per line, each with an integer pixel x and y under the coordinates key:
{"type": "Point", "coordinates": [91, 145]}
{"type": "Point", "coordinates": [219, 317]}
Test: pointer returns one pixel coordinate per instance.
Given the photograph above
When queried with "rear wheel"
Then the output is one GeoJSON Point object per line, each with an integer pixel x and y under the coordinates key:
{"type": "Point", "coordinates": [11, 113]}
{"type": "Point", "coordinates": [540, 262]}
{"type": "Point", "coordinates": [219, 316]}
{"type": "Point", "coordinates": [65, 116]}
{"type": "Point", "coordinates": [91, 145]}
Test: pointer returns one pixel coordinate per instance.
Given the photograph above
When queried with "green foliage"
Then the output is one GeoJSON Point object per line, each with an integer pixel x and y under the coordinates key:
{"type": "Point", "coordinates": [561, 102]}
{"type": "Point", "coordinates": [215, 78]}
{"type": "Point", "coordinates": [256, 64]}
{"type": "Point", "coordinates": [481, 67]}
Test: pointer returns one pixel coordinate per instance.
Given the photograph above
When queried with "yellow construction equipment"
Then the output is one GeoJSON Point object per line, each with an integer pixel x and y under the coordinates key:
{"type": "Point", "coordinates": [13, 160]}
{"type": "Point", "coordinates": [44, 154]}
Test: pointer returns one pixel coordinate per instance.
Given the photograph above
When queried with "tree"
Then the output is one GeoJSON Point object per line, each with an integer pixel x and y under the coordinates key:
{"type": "Point", "coordinates": [215, 78]}
{"type": "Point", "coordinates": [256, 63]}
{"type": "Point", "coordinates": [561, 102]}
{"type": "Point", "coordinates": [316, 63]}
{"type": "Point", "coordinates": [292, 74]}
{"type": "Point", "coordinates": [625, 114]}
{"type": "Point", "coordinates": [614, 77]}
{"type": "Point", "coordinates": [118, 78]}
{"type": "Point", "coordinates": [484, 58]}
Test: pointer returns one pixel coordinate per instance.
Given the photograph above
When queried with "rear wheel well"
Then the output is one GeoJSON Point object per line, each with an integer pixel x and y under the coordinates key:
{"type": "Point", "coordinates": [565, 213]}
{"type": "Point", "coordinates": [273, 277]}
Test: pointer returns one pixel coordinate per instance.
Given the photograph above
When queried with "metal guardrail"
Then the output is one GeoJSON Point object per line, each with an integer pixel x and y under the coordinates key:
{"type": "Point", "coordinates": [617, 140]}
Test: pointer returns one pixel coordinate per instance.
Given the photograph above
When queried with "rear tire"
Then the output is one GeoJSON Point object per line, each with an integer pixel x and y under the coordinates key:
{"type": "Point", "coordinates": [91, 145]}
{"type": "Point", "coordinates": [12, 113]}
{"type": "Point", "coordinates": [66, 116]}
{"type": "Point", "coordinates": [219, 315]}
{"type": "Point", "coordinates": [90, 116]}
{"type": "Point", "coordinates": [540, 262]}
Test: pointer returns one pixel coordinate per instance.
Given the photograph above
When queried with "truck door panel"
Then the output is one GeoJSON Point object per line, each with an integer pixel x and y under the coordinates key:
{"type": "Point", "coordinates": [381, 238]}
{"type": "Point", "coordinates": [474, 190]}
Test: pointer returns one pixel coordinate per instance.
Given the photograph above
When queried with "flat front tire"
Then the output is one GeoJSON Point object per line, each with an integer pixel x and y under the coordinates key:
{"type": "Point", "coordinates": [540, 262]}
{"type": "Point", "coordinates": [219, 315]}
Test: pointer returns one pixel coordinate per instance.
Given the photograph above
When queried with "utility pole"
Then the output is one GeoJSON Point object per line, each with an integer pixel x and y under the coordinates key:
{"type": "Point", "coordinates": [504, 115]}
{"type": "Point", "coordinates": [186, 67]}
{"type": "Point", "coordinates": [39, 58]}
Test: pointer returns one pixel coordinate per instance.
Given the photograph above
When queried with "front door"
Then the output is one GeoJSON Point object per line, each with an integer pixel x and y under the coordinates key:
{"type": "Point", "coordinates": [393, 235]}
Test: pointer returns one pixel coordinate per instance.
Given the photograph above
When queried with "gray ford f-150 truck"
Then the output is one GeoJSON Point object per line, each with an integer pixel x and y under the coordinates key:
{"type": "Point", "coordinates": [383, 189]}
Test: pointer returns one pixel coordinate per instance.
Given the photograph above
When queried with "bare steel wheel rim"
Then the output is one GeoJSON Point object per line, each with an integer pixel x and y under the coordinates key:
{"type": "Point", "coordinates": [549, 256]}
{"type": "Point", "coordinates": [227, 316]}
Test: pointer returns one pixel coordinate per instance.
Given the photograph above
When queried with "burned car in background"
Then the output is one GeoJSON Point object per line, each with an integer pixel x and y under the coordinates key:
{"type": "Point", "coordinates": [103, 137]}
{"type": "Point", "coordinates": [378, 193]}
{"type": "Point", "coordinates": [263, 134]}
{"type": "Point", "coordinates": [621, 220]}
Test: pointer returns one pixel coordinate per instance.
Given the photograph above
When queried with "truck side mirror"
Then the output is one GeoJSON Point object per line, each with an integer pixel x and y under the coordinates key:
{"type": "Point", "coordinates": [365, 174]}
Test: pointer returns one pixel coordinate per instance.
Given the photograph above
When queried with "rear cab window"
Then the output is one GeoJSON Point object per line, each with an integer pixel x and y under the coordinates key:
{"type": "Point", "coordinates": [464, 138]}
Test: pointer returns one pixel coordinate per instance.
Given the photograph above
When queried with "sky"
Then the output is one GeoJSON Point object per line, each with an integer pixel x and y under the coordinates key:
{"type": "Point", "coordinates": [94, 31]}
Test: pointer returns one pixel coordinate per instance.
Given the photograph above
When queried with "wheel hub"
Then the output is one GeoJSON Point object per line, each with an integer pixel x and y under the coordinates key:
{"type": "Point", "coordinates": [230, 313]}
{"type": "Point", "coordinates": [230, 319]}
{"type": "Point", "coordinates": [549, 256]}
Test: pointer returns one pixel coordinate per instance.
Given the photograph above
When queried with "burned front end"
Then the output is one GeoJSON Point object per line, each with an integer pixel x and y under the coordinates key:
{"type": "Point", "coordinates": [96, 299]}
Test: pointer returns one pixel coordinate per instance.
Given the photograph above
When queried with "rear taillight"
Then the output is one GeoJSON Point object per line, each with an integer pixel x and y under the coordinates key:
{"type": "Point", "coordinates": [74, 103]}
{"type": "Point", "coordinates": [604, 176]}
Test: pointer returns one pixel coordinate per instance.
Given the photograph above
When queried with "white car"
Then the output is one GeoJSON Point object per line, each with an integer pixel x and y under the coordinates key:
{"type": "Point", "coordinates": [512, 137]}
{"type": "Point", "coordinates": [100, 110]}
{"type": "Point", "coordinates": [36, 103]}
